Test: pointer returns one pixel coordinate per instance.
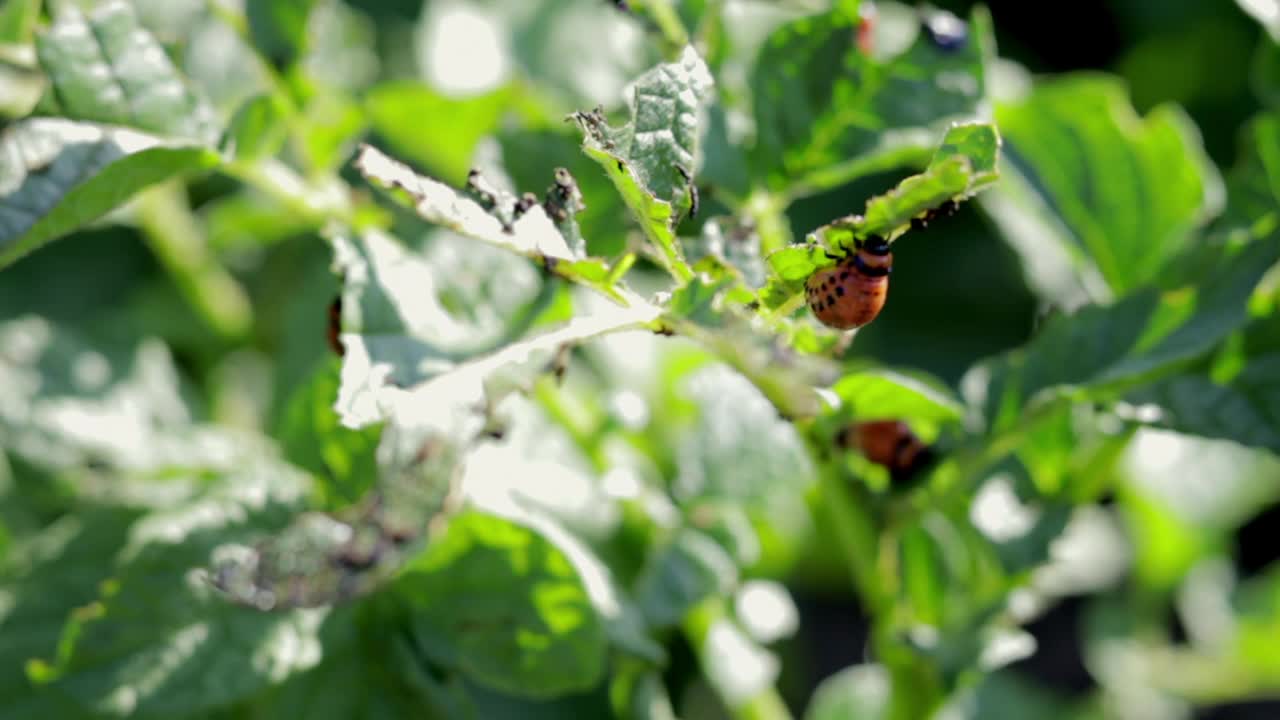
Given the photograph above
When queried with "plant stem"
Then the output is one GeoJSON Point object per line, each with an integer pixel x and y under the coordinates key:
{"type": "Point", "coordinates": [915, 689]}
{"type": "Point", "coordinates": [762, 703]}
{"type": "Point", "coordinates": [857, 538]}
{"type": "Point", "coordinates": [317, 202]}
{"type": "Point", "coordinates": [861, 538]}
{"type": "Point", "coordinates": [178, 242]}
{"type": "Point", "coordinates": [667, 21]}
{"type": "Point", "coordinates": [769, 213]}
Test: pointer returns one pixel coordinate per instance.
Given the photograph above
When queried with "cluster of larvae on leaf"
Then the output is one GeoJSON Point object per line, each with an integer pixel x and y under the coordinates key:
{"type": "Point", "coordinates": [853, 293]}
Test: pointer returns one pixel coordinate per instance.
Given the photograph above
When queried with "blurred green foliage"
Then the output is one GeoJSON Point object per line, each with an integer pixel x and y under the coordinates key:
{"type": "Point", "coordinates": [449, 359]}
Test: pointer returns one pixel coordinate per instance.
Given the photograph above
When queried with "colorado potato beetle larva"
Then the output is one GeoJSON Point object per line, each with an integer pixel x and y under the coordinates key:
{"type": "Point", "coordinates": [890, 444]}
{"type": "Point", "coordinates": [852, 293]}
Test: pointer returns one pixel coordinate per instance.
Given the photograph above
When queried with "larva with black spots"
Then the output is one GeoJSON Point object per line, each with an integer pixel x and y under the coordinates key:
{"type": "Point", "coordinates": [853, 293]}
{"type": "Point", "coordinates": [890, 444]}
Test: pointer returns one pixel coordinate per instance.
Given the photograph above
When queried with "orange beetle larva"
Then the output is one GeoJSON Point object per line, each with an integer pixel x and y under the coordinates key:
{"type": "Point", "coordinates": [852, 293]}
{"type": "Point", "coordinates": [890, 444]}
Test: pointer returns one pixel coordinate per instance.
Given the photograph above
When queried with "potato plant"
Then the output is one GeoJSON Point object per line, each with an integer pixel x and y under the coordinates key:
{"type": "Point", "coordinates": [530, 359]}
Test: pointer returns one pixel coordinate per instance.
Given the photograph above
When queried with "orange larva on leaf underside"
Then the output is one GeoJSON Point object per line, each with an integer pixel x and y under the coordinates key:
{"type": "Point", "coordinates": [890, 444]}
{"type": "Point", "coordinates": [852, 293]}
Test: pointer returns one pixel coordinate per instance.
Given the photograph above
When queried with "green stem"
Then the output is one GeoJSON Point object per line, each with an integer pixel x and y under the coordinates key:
{"type": "Point", "coordinates": [792, 400]}
{"type": "Point", "coordinates": [570, 420]}
{"type": "Point", "coordinates": [316, 201]}
{"type": "Point", "coordinates": [968, 463]}
{"type": "Point", "coordinates": [912, 154]}
{"type": "Point", "coordinates": [279, 88]}
{"type": "Point", "coordinates": [857, 538]}
{"type": "Point", "coordinates": [764, 703]}
{"type": "Point", "coordinates": [667, 21]}
{"type": "Point", "coordinates": [915, 689]}
{"type": "Point", "coordinates": [861, 539]}
{"type": "Point", "coordinates": [178, 242]}
{"type": "Point", "coordinates": [620, 269]}
{"type": "Point", "coordinates": [769, 213]}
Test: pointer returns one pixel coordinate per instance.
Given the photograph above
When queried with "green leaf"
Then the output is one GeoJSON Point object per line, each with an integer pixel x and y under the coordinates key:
{"type": "Point", "coordinates": [715, 314]}
{"type": "Point", "coordinates": [70, 404]}
{"type": "Point", "coordinates": [107, 68]}
{"type": "Point", "coordinates": [1212, 486]}
{"type": "Point", "coordinates": [826, 113]}
{"type": "Point", "coordinates": [409, 319]}
{"type": "Point", "coordinates": [738, 448]}
{"type": "Point", "coordinates": [1008, 696]}
{"type": "Point", "coordinates": [1253, 186]}
{"type": "Point", "coordinates": [159, 640]}
{"type": "Point", "coordinates": [219, 62]}
{"type": "Point", "coordinates": [945, 179]}
{"type": "Point", "coordinates": [1246, 410]}
{"type": "Point", "coordinates": [526, 156]}
{"type": "Point", "coordinates": [728, 245]}
{"type": "Point", "coordinates": [980, 143]}
{"type": "Point", "coordinates": [437, 132]}
{"type": "Point", "coordinates": [1024, 552]}
{"type": "Point", "coordinates": [1265, 75]}
{"type": "Point", "coordinates": [23, 81]}
{"type": "Point", "coordinates": [1166, 544]}
{"type": "Point", "coordinates": [1192, 320]}
{"type": "Point", "coordinates": [860, 692]}
{"type": "Point", "coordinates": [667, 105]}
{"type": "Point", "coordinates": [652, 159]}
{"type": "Point", "coordinates": [657, 218]}
{"type": "Point", "coordinates": [1116, 194]}
{"type": "Point", "coordinates": [45, 577]}
{"type": "Point", "coordinates": [423, 312]}
{"type": "Point", "coordinates": [430, 424]}
{"type": "Point", "coordinates": [725, 165]}
{"type": "Point", "coordinates": [893, 395]}
{"type": "Point", "coordinates": [367, 674]}
{"type": "Point", "coordinates": [1100, 349]}
{"type": "Point", "coordinates": [1072, 455]}
{"type": "Point", "coordinates": [504, 605]}
{"type": "Point", "coordinates": [332, 124]}
{"type": "Point", "coordinates": [639, 693]}
{"type": "Point", "coordinates": [536, 476]}
{"type": "Point", "coordinates": [18, 20]}
{"type": "Point", "coordinates": [1257, 609]}
{"type": "Point", "coordinates": [791, 267]}
{"type": "Point", "coordinates": [341, 48]}
{"type": "Point", "coordinates": [279, 29]}
{"type": "Point", "coordinates": [699, 301]}
{"type": "Point", "coordinates": [532, 234]}
{"type": "Point", "coordinates": [57, 176]}
{"type": "Point", "coordinates": [313, 439]}
{"type": "Point", "coordinates": [924, 577]}
{"type": "Point", "coordinates": [455, 401]}
{"type": "Point", "coordinates": [962, 165]}
{"type": "Point", "coordinates": [688, 569]}
{"type": "Point", "coordinates": [257, 130]}
{"type": "Point", "coordinates": [322, 560]}
{"type": "Point", "coordinates": [249, 219]}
